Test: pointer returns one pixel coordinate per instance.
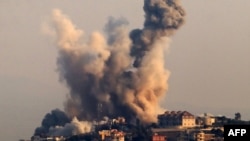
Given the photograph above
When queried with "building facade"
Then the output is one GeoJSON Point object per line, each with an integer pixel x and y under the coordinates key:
{"type": "Point", "coordinates": [176, 118]}
{"type": "Point", "coordinates": [157, 137]}
{"type": "Point", "coordinates": [201, 136]}
{"type": "Point", "coordinates": [112, 135]}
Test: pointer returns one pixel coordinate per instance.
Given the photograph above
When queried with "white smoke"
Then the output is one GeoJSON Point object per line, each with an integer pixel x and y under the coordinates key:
{"type": "Point", "coordinates": [75, 127]}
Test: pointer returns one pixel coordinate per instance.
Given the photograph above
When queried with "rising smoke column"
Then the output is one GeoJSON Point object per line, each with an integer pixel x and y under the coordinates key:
{"type": "Point", "coordinates": [123, 75]}
{"type": "Point", "coordinates": [162, 18]}
{"type": "Point", "coordinates": [92, 69]}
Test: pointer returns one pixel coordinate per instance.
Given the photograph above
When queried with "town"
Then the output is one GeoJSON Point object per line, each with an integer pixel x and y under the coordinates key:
{"type": "Point", "coordinates": [171, 126]}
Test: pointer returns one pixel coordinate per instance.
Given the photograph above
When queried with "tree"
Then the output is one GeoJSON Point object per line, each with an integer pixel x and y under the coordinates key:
{"type": "Point", "coordinates": [237, 116]}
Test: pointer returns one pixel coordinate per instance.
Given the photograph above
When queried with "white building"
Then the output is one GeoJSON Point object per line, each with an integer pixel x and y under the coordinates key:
{"type": "Point", "coordinates": [206, 119]}
{"type": "Point", "coordinates": [179, 118]}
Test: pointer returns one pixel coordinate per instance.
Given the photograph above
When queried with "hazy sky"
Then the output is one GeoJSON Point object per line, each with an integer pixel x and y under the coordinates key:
{"type": "Point", "coordinates": [208, 58]}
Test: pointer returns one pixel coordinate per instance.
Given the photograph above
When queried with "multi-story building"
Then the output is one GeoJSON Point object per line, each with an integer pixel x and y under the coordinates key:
{"type": "Point", "coordinates": [201, 136]}
{"type": "Point", "coordinates": [179, 119]}
{"type": "Point", "coordinates": [157, 137]}
{"type": "Point", "coordinates": [112, 135]}
{"type": "Point", "coordinates": [205, 120]}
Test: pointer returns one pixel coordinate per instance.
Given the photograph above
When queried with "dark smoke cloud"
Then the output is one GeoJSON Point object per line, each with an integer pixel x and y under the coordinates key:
{"type": "Point", "coordinates": [57, 123]}
{"type": "Point", "coordinates": [162, 18]}
{"type": "Point", "coordinates": [55, 118]}
{"type": "Point", "coordinates": [123, 75]}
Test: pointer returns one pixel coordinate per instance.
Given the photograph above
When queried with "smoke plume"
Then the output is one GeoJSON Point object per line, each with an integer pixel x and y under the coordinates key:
{"type": "Point", "coordinates": [55, 118]}
{"type": "Point", "coordinates": [120, 73]}
{"type": "Point", "coordinates": [75, 127]}
{"type": "Point", "coordinates": [99, 73]}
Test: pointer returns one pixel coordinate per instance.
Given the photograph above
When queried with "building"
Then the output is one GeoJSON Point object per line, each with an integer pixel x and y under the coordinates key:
{"type": "Point", "coordinates": [171, 134]}
{"type": "Point", "coordinates": [38, 138]}
{"type": "Point", "coordinates": [118, 120]}
{"type": "Point", "coordinates": [201, 136]}
{"type": "Point", "coordinates": [179, 119]}
{"type": "Point", "coordinates": [112, 135]}
{"type": "Point", "coordinates": [157, 137]}
{"type": "Point", "coordinates": [205, 120]}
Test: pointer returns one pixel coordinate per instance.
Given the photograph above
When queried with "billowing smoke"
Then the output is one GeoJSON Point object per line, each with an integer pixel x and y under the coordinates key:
{"type": "Point", "coordinates": [75, 127]}
{"type": "Point", "coordinates": [162, 18]}
{"type": "Point", "coordinates": [121, 73]}
{"type": "Point", "coordinates": [55, 118]}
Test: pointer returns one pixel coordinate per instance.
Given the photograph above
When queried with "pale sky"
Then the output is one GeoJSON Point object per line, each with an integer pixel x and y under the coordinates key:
{"type": "Point", "coordinates": [208, 58]}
